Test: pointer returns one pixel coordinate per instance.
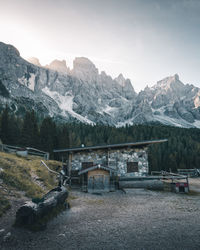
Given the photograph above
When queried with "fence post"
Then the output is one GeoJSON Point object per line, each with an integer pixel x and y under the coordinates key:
{"type": "Point", "coordinates": [188, 184]}
{"type": "Point", "coordinates": [47, 156]}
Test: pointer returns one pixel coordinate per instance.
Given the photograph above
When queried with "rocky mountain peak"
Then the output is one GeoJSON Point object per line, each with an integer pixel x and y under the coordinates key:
{"type": "Point", "coordinates": [171, 82]}
{"type": "Point", "coordinates": [90, 97]}
{"type": "Point", "coordinates": [7, 49]}
{"type": "Point", "coordinates": [84, 64]}
{"type": "Point", "coordinates": [121, 80]}
{"type": "Point", "coordinates": [176, 77]}
{"type": "Point", "coordinates": [147, 89]}
{"type": "Point", "coordinates": [59, 66]}
{"type": "Point", "coordinates": [103, 74]}
{"type": "Point", "coordinates": [34, 61]}
{"type": "Point", "coordinates": [85, 70]}
{"type": "Point", "coordinates": [127, 87]}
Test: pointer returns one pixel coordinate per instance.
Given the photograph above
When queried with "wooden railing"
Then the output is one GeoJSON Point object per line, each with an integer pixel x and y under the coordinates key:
{"type": "Point", "coordinates": [27, 150]}
{"type": "Point", "coordinates": [190, 172]}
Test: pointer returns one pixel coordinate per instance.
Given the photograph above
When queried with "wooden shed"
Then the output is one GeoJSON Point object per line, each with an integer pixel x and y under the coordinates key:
{"type": "Point", "coordinates": [96, 179]}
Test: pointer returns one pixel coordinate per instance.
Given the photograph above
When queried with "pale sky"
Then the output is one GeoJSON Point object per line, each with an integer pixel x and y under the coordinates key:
{"type": "Point", "coordinates": [146, 40]}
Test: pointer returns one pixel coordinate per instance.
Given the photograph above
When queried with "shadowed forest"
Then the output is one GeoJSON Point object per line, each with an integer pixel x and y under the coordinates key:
{"type": "Point", "coordinates": [181, 150]}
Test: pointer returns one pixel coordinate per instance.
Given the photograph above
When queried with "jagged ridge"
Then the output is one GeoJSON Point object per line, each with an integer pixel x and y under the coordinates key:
{"type": "Point", "coordinates": [86, 95]}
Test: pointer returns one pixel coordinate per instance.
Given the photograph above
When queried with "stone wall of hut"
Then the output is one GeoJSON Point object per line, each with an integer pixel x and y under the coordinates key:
{"type": "Point", "coordinates": [116, 159]}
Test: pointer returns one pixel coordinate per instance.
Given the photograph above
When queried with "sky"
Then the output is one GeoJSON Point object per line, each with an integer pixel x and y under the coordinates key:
{"type": "Point", "coordinates": [146, 40]}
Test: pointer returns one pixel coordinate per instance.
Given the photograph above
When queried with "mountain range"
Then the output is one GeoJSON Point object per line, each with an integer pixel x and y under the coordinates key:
{"type": "Point", "coordinates": [84, 94]}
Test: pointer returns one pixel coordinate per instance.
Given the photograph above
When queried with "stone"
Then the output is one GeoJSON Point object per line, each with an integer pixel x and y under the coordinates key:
{"type": "Point", "coordinates": [2, 230]}
{"type": "Point", "coordinates": [117, 159]}
{"type": "Point", "coordinates": [7, 236]}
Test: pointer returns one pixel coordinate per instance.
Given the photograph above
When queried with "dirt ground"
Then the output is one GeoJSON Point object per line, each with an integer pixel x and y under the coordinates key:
{"type": "Point", "coordinates": [194, 184]}
{"type": "Point", "coordinates": [137, 219]}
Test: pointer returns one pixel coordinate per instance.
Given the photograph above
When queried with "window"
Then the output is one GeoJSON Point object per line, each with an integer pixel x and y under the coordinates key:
{"type": "Point", "coordinates": [132, 167]}
{"type": "Point", "coordinates": [86, 165]}
{"type": "Point", "coordinates": [74, 173]}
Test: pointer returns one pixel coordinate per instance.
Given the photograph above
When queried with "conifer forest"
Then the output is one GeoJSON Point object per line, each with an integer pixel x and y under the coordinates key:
{"type": "Point", "coordinates": [181, 150]}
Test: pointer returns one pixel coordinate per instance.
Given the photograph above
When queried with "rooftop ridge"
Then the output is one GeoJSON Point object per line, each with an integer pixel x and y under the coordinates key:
{"type": "Point", "coordinates": [108, 146]}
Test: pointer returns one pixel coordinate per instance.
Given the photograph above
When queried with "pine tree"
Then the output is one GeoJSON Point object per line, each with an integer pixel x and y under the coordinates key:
{"type": "Point", "coordinates": [64, 137]}
{"type": "Point", "coordinates": [4, 125]}
{"type": "Point", "coordinates": [14, 130]}
{"type": "Point", "coordinates": [48, 135]}
{"type": "Point", "coordinates": [30, 134]}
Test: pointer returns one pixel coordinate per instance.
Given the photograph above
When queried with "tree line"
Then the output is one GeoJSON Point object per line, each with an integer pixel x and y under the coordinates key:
{"type": "Point", "coordinates": [181, 151]}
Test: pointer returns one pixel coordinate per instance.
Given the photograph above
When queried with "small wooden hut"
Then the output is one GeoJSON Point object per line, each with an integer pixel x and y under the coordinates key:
{"type": "Point", "coordinates": [96, 179]}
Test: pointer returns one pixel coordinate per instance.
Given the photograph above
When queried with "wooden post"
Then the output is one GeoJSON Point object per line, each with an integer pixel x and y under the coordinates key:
{"type": "Point", "coordinates": [47, 156]}
{"type": "Point", "coordinates": [62, 160]}
{"type": "Point", "coordinates": [188, 183]}
{"type": "Point", "coordinates": [70, 164]}
{"type": "Point", "coordinates": [108, 158]}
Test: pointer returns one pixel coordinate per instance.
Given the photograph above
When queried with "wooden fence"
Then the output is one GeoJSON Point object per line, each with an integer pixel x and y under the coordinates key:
{"type": "Point", "coordinates": [190, 172]}
{"type": "Point", "coordinates": [23, 151]}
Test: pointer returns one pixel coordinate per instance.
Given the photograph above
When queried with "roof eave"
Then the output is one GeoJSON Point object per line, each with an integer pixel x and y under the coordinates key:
{"type": "Point", "coordinates": [111, 146]}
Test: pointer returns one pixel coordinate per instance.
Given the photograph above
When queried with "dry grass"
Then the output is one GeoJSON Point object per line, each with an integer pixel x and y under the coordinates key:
{"type": "Point", "coordinates": [193, 193]}
{"type": "Point", "coordinates": [72, 197]}
{"type": "Point", "coordinates": [4, 204]}
{"type": "Point", "coordinates": [18, 173]}
{"type": "Point", "coordinates": [93, 202]}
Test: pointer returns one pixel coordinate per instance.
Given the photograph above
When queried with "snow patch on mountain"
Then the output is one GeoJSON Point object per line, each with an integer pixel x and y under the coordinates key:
{"type": "Point", "coordinates": [90, 97]}
{"type": "Point", "coordinates": [22, 81]}
{"type": "Point", "coordinates": [171, 121]}
{"type": "Point", "coordinates": [109, 110]}
{"type": "Point", "coordinates": [32, 82]}
{"type": "Point", "coordinates": [196, 123]}
{"type": "Point", "coordinates": [128, 122]}
{"type": "Point", "coordinates": [66, 103]}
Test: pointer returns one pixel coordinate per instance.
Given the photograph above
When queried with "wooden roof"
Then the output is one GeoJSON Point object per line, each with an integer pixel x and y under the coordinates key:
{"type": "Point", "coordinates": [111, 146]}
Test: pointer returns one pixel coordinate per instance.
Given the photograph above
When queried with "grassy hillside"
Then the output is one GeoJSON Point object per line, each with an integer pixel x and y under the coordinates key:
{"type": "Point", "coordinates": [24, 177]}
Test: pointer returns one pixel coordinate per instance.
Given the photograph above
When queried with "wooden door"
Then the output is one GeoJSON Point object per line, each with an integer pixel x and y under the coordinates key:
{"type": "Point", "coordinates": [98, 182]}
{"type": "Point", "coordinates": [107, 182]}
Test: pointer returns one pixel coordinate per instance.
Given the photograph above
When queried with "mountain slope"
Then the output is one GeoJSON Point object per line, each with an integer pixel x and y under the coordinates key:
{"type": "Point", "coordinates": [91, 97]}
{"type": "Point", "coordinates": [172, 102]}
{"type": "Point", "coordinates": [63, 95]}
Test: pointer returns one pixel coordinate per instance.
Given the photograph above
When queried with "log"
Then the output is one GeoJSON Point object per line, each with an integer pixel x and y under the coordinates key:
{"type": "Point", "coordinates": [147, 184]}
{"type": "Point", "coordinates": [31, 212]}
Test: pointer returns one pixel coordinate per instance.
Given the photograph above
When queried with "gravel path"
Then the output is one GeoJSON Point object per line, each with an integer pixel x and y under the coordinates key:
{"type": "Point", "coordinates": [137, 219]}
{"type": "Point", "coordinates": [195, 184]}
